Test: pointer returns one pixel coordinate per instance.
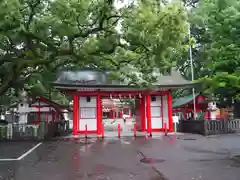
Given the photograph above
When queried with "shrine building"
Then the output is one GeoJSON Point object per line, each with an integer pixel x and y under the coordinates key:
{"type": "Point", "coordinates": [89, 87]}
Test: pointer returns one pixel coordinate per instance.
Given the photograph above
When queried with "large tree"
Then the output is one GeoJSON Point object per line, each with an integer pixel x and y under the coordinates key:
{"type": "Point", "coordinates": [39, 37]}
{"type": "Point", "coordinates": [41, 32]}
{"type": "Point", "coordinates": [218, 22]}
{"type": "Point", "coordinates": [153, 32]}
{"type": "Point", "coordinates": [214, 29]}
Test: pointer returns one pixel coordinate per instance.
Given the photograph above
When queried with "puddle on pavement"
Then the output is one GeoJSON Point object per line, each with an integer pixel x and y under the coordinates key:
{"type": "Point", "coordinates": [206, 160]}
{"type": "Point", "coordinates": [206, 151]}
{"type": "Point", "coordinates": [236, 161]}
{"type": "Point", "coordinates": [233, 161]}
{"type": "Point", "coordinates": [151, 160]}
{"type": "Point", "coordinates": [112, 142]}
{"type": "Point", "coordinates": [81, 141]}
{"type": "Point", "coordinates": [189, 139]}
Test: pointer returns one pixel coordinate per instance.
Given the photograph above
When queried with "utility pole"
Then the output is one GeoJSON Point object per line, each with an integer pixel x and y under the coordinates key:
{"type": "Point", "coordinates": [192, 71]}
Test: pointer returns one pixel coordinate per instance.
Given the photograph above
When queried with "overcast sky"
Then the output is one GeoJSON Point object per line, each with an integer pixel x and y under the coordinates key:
{"type": "Point", "coordinates": [122, 3]}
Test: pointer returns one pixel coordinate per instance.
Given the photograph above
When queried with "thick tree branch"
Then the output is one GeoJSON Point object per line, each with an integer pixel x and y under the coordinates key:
{"type": "Point", "coordinates": [32, 12]}
{"type": "Point", "coordinates": [39, 39]}
{"type": "Point", "coordinates": [97, 29]}
{"type": "Point", "coordinates": [10, 77]}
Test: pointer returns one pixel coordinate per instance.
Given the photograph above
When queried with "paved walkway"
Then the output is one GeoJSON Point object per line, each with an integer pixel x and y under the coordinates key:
{"type": "Point", "coordinates": [186, 157]}
{"type": "Point", "coordinates": [192, 157]}
{"type": "Point", "coordinates": [107, 160]}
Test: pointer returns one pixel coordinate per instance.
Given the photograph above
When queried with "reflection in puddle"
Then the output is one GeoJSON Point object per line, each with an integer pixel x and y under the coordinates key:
{"type": "Point", "coordinates": [151, 160]}
{"type": "Point", "coordinates": [236, 161]}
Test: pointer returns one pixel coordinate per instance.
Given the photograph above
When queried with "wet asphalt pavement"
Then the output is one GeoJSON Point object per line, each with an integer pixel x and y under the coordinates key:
{"type": "Point", "coordinates": [187, 157]}
{"type": "Point", "coordinates": [14, 149]}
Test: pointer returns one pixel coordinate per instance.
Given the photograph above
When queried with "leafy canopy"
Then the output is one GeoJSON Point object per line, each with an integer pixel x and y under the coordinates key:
{"type": "Point", "coordinates": [220, 18]}
{"type": "Point", "coordinates": [39, 37]}
{"type": "Point", "coordinates": [152, 32]}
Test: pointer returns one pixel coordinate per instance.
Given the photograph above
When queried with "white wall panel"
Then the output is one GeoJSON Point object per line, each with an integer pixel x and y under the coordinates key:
{"type": "Point", "coordinates": [88, 113]}
{"type": "Point", "coordinates": [156, 112]}
{"type": "Point", "coordinates": [91, 124]}
{"type": "Point", "coordinates": [83, 101]}
{"type": "Point", "coordinates": [165, 110]}
{"type": "Point", "coordinates": [158, 101]}
{"type": "Point", "coordinates": [156, 123]}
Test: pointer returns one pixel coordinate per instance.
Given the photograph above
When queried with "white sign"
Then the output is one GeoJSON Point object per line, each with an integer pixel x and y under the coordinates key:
{"type": "Point", "coordinates": [175, 119]}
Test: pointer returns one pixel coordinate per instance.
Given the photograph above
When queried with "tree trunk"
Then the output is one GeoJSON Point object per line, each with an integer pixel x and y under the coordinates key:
{"type": "Point", "coordinates": [12, 76]}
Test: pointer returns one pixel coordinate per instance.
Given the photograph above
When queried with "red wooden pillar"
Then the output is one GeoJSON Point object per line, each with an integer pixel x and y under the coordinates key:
{"type": "Point", "coordinates": [148, 114]}
{"type": "Point", "coordinates": [75, 114]}
{"type": "Point", "coordinates": [170, 119]}
{"type": "Point", "coordinates": [143, 113]}
{"type": "Point", "coordinates": [121, 113]}
{"type": "Point", "coordinates": [99, 114]}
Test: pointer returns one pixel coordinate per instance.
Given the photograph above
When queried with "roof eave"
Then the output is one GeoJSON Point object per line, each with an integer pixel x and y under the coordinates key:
{"type": "Point", "coordinates": [121, 87]}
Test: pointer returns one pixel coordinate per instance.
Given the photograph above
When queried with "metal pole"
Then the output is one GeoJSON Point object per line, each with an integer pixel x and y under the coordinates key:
{"type": "Point", "coordinates": [192, 71]}
{"type": "Point", "coordinates": [175, 127]}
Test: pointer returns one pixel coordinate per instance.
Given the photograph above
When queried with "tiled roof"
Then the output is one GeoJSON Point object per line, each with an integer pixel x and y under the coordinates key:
{"type": "Point", "coordinates": [94, 79]}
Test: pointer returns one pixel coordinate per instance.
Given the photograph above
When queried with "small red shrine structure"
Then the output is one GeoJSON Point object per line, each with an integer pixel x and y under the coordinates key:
{"type": "Point", "coordinates": [88, 87]}
{"type": "Point", "coordinates": [34, 109]}
{"type": "Point", "coordinates": [183, 106]}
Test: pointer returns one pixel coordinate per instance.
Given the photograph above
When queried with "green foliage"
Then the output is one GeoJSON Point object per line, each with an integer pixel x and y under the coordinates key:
{"type": "Point", "coordinates": [38, 38]}
{"type": "Point", "coordinates": [153, 33]}
{"type": "Point", "coordinates": [38, 35]}
{"type": "Point", "coordinates": [221, 20]}
{"type": "Point", "coordinates": [214, 27]}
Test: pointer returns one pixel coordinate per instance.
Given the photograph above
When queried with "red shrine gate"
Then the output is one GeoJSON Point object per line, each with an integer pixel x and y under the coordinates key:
{"type": "Point", "coordinates": [113, 108]}
{"type": "Point", "coordinates": [88, 87]}
{"type": "Point", "coordinates": [152, 110]}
